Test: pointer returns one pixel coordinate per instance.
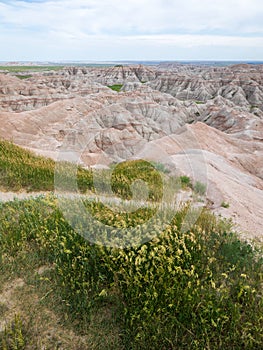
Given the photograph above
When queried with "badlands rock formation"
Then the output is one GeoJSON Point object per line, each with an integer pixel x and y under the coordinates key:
{"type": "Point", "coordinates": [206, 122]}
{"type": "Point", "coordinates": [42, 90]}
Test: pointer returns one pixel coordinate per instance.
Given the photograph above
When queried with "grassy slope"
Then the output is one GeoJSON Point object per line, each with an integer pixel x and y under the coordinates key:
{"type": "Point", "coordinates": [23, 170]}
{"type": "Point", "coordinates": [200, 289]}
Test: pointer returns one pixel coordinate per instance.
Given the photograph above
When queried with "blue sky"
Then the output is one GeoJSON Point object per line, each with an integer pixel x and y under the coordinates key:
{"type": "Point", "coordinates": [104, 30]}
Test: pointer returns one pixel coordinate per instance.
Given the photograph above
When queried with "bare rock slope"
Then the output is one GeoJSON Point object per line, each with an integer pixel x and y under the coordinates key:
{"type": "Point", "coordinates": [231, 168]}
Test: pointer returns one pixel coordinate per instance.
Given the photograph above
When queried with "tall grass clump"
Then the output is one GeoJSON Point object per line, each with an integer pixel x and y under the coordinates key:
{"type": "Point", "coordinates": [200, 289]}
{"type": "Point", "coordinates": [200, 188]}
{"type": "Point", "coordinates": [126, 173]}
{"type": "Point", "coordinates": [13, 337]}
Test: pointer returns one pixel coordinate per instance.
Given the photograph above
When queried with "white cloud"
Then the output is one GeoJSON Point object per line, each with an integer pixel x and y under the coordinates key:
{"type": "Point", "coordinates": [176, 23]}
{"type": "Point", "coordinates": [148, 16]}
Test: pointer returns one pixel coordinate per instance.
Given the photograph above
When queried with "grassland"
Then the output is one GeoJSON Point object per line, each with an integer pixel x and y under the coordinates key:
{"type": "Point", "coordinates": [18, 69]}
{"type": "Point", "coordinates": [195, 289]}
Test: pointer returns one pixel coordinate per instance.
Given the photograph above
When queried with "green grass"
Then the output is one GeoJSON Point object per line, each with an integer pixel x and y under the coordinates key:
{"type": "Point", "coordinates": [200, 289]}
{"type": "Point", "coordinates": [160, 167]}
{"type": "Point", "coordinates": [16, 69]}
{"type": "Point", "coordinates": [116, 87]}
{"type": "Point", "coordinates": [186, 181]}
{"type": "Point", "coordinates": [125, 173]}
{"type": "Point", "coordinates": [194, 289]}
{"type": "Point", "coordinates": [225, 205]}
{"type": "Point", "coordinates": [200, 188]}
{"type": "Point", "coordinates": [23, 76]}
{"type": "Point", "coordinates": [23, 170]}
{"type": "Point", "coordinates": [13, 337]}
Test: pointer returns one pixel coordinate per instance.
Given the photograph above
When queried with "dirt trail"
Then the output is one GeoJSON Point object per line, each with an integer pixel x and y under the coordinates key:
{"type": "Point", "coordinates": [247, 228]}
{"type": "Point", "coordinates": [7, 299]}
{"type": "Point", "coordinates": [10, 196]}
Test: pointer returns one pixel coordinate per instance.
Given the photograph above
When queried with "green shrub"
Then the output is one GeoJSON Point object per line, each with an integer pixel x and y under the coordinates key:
{"type": "Point", "coordinates": [125, 173]}
{"type": "Point", "coordinates": [160, 167]}
{"type": "Point", "coordinates": [24, 76]}
{"type": "Point", "coordinates": [115, 87]}
{"type": "Point", "coordinates": [200, 188]}
{"type": "Point", "coordinates": [191, 290]}
{"type": "Point", "coordinates": [225, 205]}
{"type": "Point", "coordinates": [185, 181]}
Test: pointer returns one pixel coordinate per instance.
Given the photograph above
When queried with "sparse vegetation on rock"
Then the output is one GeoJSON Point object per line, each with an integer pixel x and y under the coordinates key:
{"type": "Point", "coordinates": [225, 204]}
{"type": "Point", "coordinates": [116, 87]}
{"type": "Point", "coordinates": [200, 188]}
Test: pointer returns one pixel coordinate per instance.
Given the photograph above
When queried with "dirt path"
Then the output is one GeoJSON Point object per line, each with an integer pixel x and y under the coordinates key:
{"type": "Point", "coordinates": [240, 222]}
{"type": "Point", "coordinates": [10, 196]}
{"type": "Point", "coordinates": [7, 299]}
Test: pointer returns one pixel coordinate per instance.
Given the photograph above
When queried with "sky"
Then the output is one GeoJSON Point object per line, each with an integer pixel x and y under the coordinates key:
{"type": "Point", "coordinates": [112, 30]}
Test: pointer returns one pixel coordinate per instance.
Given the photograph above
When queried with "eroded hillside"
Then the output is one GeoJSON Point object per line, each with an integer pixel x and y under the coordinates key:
{"type": "Point", "coordinates": [206, 122]}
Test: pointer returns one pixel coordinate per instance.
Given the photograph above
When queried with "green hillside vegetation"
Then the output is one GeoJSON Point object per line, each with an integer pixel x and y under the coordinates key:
{"type": "Point", "coordinates": [125, 173]}
{"type": "Point", "coordinates": [201, 289]}
{"type": "Point", "coordinates": [194, 289]}
{"type": "Point", "coordinates": [23, 170]}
